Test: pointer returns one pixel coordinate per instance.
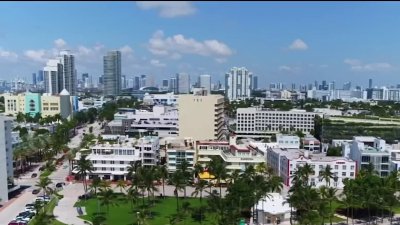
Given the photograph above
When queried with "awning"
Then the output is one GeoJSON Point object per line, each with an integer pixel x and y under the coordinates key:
{"type": "Point", "coordinates": [206, 175]}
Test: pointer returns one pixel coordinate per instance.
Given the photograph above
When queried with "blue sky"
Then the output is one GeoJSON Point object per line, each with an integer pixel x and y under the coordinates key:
{"type": "Point", "coordinates": [278, 41]}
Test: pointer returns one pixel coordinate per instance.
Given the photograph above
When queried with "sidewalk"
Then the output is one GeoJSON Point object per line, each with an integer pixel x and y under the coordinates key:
{"type": "Point", "coordinates": [65, 211]}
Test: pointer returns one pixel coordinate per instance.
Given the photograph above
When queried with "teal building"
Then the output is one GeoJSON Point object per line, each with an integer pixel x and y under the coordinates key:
{"type": "Point", "coordinates": [32, 103]}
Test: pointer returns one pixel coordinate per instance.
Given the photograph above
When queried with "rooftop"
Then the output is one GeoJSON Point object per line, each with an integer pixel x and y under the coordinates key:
{"type": "Point", "coordinates": [318, 157]}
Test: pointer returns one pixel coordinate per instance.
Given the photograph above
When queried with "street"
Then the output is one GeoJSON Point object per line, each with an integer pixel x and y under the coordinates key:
{"type": "Point", "coordinates": [16, 205]}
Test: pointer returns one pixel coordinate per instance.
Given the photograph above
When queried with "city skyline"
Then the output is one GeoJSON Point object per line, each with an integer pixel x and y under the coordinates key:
{"type": "Point", "coordinates": [278, 42]}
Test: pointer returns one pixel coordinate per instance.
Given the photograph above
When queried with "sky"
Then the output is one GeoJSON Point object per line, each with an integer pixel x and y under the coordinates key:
{"type": "Point", "coordinates": [288, 42]}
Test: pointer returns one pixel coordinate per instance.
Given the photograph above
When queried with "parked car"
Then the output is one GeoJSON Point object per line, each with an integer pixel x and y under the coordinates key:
{"type": "Point", "coordinates": [85, 196]}
{"type": "Point", "coordinates": [34, 175]}
{"type": "Point", "coordinates": [58, 185]}
{"type": "Point", "coordinates": [42, 168]}
{"type": "Point", "coordinates": [14, 222]}
{"type": "Point", "coordinates": [36, 191]}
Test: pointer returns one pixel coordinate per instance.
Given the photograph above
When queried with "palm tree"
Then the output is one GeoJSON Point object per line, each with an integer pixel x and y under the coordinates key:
{"type": "Point", "coordinates": [121, 185]}
{"type": "Point", "coordinates": [20, 117]}
{"type": "Point", "coordinates": [107, 198]}
{"type": "Point", "coordinates": [184, 168]}
{"type": "Point", "coordinates": [217, 167]}
{"type": "Point", "coordinates": [200, 186]}
{"type": "Point", "coordinates": [327, 175]}
{"type": "Point", "coordinates": [83, 167]}
{"type": "Point", "coordinates": [163, 174]}
{"type": "Point", "coordinates": [96, 182]}
{"type": "Point", "coordinates": [261, 168]}
{"type": "Point", "coordinates": [178, 180]}
{"type": "Point", "coordinates": [148, 181]}
{"type": "Point", "coordinates": [329, 194]}
{"type": "Point", "coordinates": [133, 196]}
{"type": "Point", "coordinates": [43, 184]}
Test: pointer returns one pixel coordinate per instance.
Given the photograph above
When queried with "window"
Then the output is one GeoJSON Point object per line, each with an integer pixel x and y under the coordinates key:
{"type": "Point", "coordinates": [344, 167]}
{"type": "Point", "coordinates": [320, 167]}
{"type": "Point", "coordinates": [121, 162]}
{"type": "Point", "coordinates": [385, 159]}
{"type": "Point", "coordinates": [343, 174]}
{"type": "Point", "coordinates": [121, 169]}
{"type": "Point", "coordinates": [103, 162]}
{"type": "Point", "coordinates": [336, 167]}
{"type": "Point", "coordinates": [352, 167]}
{"type": "Point", "coordinates": [352, 174]}
{"type": "Point", "coordinates": [365, 158]}
{"type": "Point", "coordinates": [384, 167]}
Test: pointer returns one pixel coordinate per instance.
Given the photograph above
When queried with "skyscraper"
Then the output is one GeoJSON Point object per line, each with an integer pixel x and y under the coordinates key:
{"type": "Point", "coordinates": [172, 85]}
{"type": "Point", "coordinates": [255, 82]}
{"type": "Point", "coordinates": [40, 76]}
{"type": "Point", "coordinates": [34, 80]}
{"type": "Point", "coordinates": [205, 82]}
{"type": "Point", "coordinates": [238, 83]}
{"type": "Point", "coordinates": [53, 76]}
{"type": "Point", "coordinates": [112, 73]}
{"type": "Point", "coordinates": [123, 81]}
{"type": "Point", "coordinates": [143, 79]}
{"type": "Point", "coordinates": [370, 83]}
{"type": "Point", "coordinates": [69, 77]}
{"type": "Point", "coordinates": [347, 86]}
{"type": "Point", "coordinates": [165, 83]}
{"type": "Point", "coordinates": [182, 83]}
{"type": "Point", "coordinates": [136, 83]}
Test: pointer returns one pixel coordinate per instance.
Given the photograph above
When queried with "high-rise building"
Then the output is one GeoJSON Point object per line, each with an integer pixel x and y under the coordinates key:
{"type": "Point", "coordinates": [205, 82]}
{"type": "Point", "coordinates": [165, 83]}
{"type": "Point", "coordinates": [331, 86]}
{"type": "Point", "coordinates": [370, 83]}
{"type": "Point", "coordinates": [34, 80]}
{"type": "Point", "coordinates": [6, 157]}
{"type": "Point", "coordinates": [69, 78]}
{"type": "Point", "coordinates": [209, 113]}
{"type": "Point", "coordinates": [347, 86]}
{"type": "Point", "coordinates": [294, 86]}
{"type": "Point", "coordinates": [86, 80]}
{"type": "Point", "coordinates": [149, 82]}
{"type": "Point", "coordinates": [101, 79]}
{"type": "Point", "coordinates": [136, 83]}
{"type": "Point", "coordinates": [172, 85]}
{"type": "Point", "coordinates": [53, 76]}
{"type": "Point", "coordinates": [123, 81]}
{"type": "Point", "coordinates": [143, 79]}
{"type": "Point", "coordinates": [112, 73]}
{"type": "Point", "coordinates": [182, 83]}
{"type": "Point", "coordinates": [255, 82]}
{"type": "Point", "coordinates": [238, 83]}
{"type": "Point", "coordinates": [40, 76]}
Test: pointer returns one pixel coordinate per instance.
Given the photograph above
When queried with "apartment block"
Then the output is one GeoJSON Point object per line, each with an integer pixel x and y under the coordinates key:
{"type": "Point", "coordinates": [111, 160]}
{"type": "Point", "coordinates": [366, 149]}
{"type": "Point", "coordinates": [177, 150]}
{"type": "Point", "coordinates": [256, 122]}
{"type": "Point", "coordinates": [285, 162]}
{"type": "Point", "coordinates": [201, 117]}
{"type": "Point", "coordinates": [6, 158]}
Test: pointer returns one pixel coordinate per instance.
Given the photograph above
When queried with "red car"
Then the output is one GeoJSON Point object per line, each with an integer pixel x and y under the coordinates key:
{"type": "Point", "coordinates": [16, 223]}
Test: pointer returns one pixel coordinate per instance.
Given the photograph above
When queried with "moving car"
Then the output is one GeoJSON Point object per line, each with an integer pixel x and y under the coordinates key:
{"type": "Point", "coordinates": [36, 191]}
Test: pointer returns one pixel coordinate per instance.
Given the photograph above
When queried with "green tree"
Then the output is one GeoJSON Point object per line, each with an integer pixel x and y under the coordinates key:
{"type": "Point", "coordinates": [44, 183]}
{"type": "Point", "coordinates": [84, 167]}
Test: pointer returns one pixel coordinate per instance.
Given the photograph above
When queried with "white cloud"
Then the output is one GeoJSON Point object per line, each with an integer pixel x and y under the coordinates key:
{"type": "Point", "coordinates": [40, 55]}
{"type": "Point", "coordinates": [60, 43]}
{"type": "Point", "coordinates": [290, 69]}
{"type": "Point", "coordinates": [126, 49]}
{"type": "Point", "coordinates": [358, 65]}
{"type": "Point", "coordinates": [169, 9]}
{"type": "Point", "coordinates": [298, 44]}
{"type": "Point", "coordinates": [157, 63]}
{"type": "Point", "coordinates": [7, 55]}
{"type": "Point", "coordinates": [178, 44]}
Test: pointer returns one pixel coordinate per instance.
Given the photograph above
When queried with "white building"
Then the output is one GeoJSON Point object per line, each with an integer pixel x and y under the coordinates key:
{"type": "Point", "coordinates": [256, 122]}
{"type": "Point", "coordinates": [272, 209]}
{"type": "Point", "coordinates": [237, 157]}
{"type": "Point", "coordinates": [182, 83]}
{"type": "Point", "coordinates": [367, 149]}
{"type": "Point", "coordinates": [53, 75]}
{"type": "Point", "coordinates": [312, 144]}
{"type": "Point", "coordinates": [178, 150]}
{"type": "Point", "coordinates": [6, 158]}
{"type": "Point", "coordinates": [162, 121]}
{"type": "Point", "coordinates": [288, 141]}
{"type": "Point", "coordinates": [285, 162]}
{"type": "Point", "coordinates": [111, 161]}
{"type": "Point", "coordinates": [160, 99]}
{"type": "Point", "coordinates": [205, 82]}
{"type": "Point", "coordinates": [238, 83]}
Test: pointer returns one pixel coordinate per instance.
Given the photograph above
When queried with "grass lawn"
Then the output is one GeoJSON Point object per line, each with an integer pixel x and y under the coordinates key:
{"type": "Point", "coordinates": [121, 213]}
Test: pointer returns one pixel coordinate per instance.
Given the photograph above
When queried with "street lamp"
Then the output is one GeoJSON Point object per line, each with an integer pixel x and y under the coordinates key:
{"type": "Point", "coordinates": [137, 217]}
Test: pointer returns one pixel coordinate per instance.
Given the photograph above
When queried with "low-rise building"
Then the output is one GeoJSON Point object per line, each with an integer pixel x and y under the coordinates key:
{"type": "Point", "coordinates": [256, 122]}
{"type": "Point", "coordinates": [161, 99]}
{"type": "Point", "coordinates": [285, 162]}
{"type": "Point", "coordinates": [111, 161]}
{"type": "Point", "coordinates": [178, 150]}
{"type": "Point", "coordinates": [288, 141]}
{"type": "Point", "coordinates": [366, 149]}
{"type": "Point", "coordinates": [272, 209]}
{"type": "Point", "coordinates": [312, 144]}
{"type": "Point", "coordinates": [237, 157]}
